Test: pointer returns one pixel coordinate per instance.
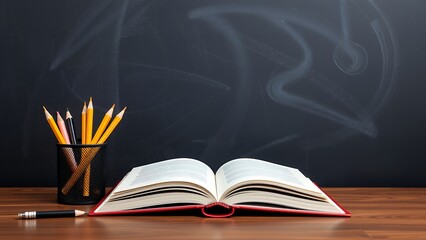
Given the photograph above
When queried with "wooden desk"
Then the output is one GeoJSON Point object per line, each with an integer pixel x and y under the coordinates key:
{"type": "Point", "coordinates": [378, 213]}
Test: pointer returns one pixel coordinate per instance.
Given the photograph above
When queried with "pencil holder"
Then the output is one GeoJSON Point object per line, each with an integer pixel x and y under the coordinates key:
{"type": "Point", "coordinates": [81, 177]}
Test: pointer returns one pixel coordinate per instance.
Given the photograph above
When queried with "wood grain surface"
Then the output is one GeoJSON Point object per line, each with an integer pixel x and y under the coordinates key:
{"type": "Point", "coordinates": [377, 213]}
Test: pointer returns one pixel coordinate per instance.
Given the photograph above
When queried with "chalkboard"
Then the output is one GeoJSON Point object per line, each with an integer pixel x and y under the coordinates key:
{"type": "Point", "coordinates": [334, 88]}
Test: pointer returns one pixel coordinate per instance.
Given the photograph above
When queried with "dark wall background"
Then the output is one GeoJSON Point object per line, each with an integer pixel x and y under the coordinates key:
{"type": "Point", "coordinates": [334, 88]}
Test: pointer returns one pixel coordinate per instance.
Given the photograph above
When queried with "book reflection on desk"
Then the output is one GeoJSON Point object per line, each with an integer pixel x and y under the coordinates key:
{"type": "Point", "coordinates": [238, 185]}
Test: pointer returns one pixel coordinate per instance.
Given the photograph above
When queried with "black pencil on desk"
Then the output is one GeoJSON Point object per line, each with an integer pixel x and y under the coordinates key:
{"type": "Point", "coordinates": [70, 127]}
{"type": "Point", "coordinates": [51, 214]}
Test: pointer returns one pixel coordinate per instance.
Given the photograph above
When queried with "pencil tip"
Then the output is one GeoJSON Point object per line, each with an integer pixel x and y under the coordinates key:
{"type": "Point", "coordinates": [46, 113]}
{"type": "Point", "coordinates": [90, 105]}
{"type": "Point", "coordinates": [80, 213]}
{"type": "Point", "coordinates": [122, 111]}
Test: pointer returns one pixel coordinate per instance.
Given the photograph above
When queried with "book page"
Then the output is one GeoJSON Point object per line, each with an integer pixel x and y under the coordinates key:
{"type": "Point", "coordinates": [170, 171]}
{"type": "Point", "coordinates": [246, 169]}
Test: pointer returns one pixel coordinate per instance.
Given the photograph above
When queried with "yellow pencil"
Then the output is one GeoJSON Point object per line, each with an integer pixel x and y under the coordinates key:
{"type": "Point", "coordinates": [112, 126]}
{"type": "Point", "coordinates": [83, 124]}
{"type": "Point", "coordinates": [89, 129]}
{"type": "Point", "coordinates": [68, 155]}
{"type": "Point", "coordinates": [89, 125]}
{"type": "Point", "coordinates": [103, 125]}
{"type": "Point", "coordinates": [54, 127]}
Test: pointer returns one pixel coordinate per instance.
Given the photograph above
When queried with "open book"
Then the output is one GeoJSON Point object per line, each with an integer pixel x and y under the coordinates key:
{"type": "Point", "coordinates": [240, 184]}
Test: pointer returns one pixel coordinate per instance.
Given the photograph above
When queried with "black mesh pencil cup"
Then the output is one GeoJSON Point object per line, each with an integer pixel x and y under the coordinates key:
{"type": "Point", "coordinates": [81, 177]}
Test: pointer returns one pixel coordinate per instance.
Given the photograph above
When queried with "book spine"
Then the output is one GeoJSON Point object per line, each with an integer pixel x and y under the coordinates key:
{"type": "Point", "coordinates": [217, 210]}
